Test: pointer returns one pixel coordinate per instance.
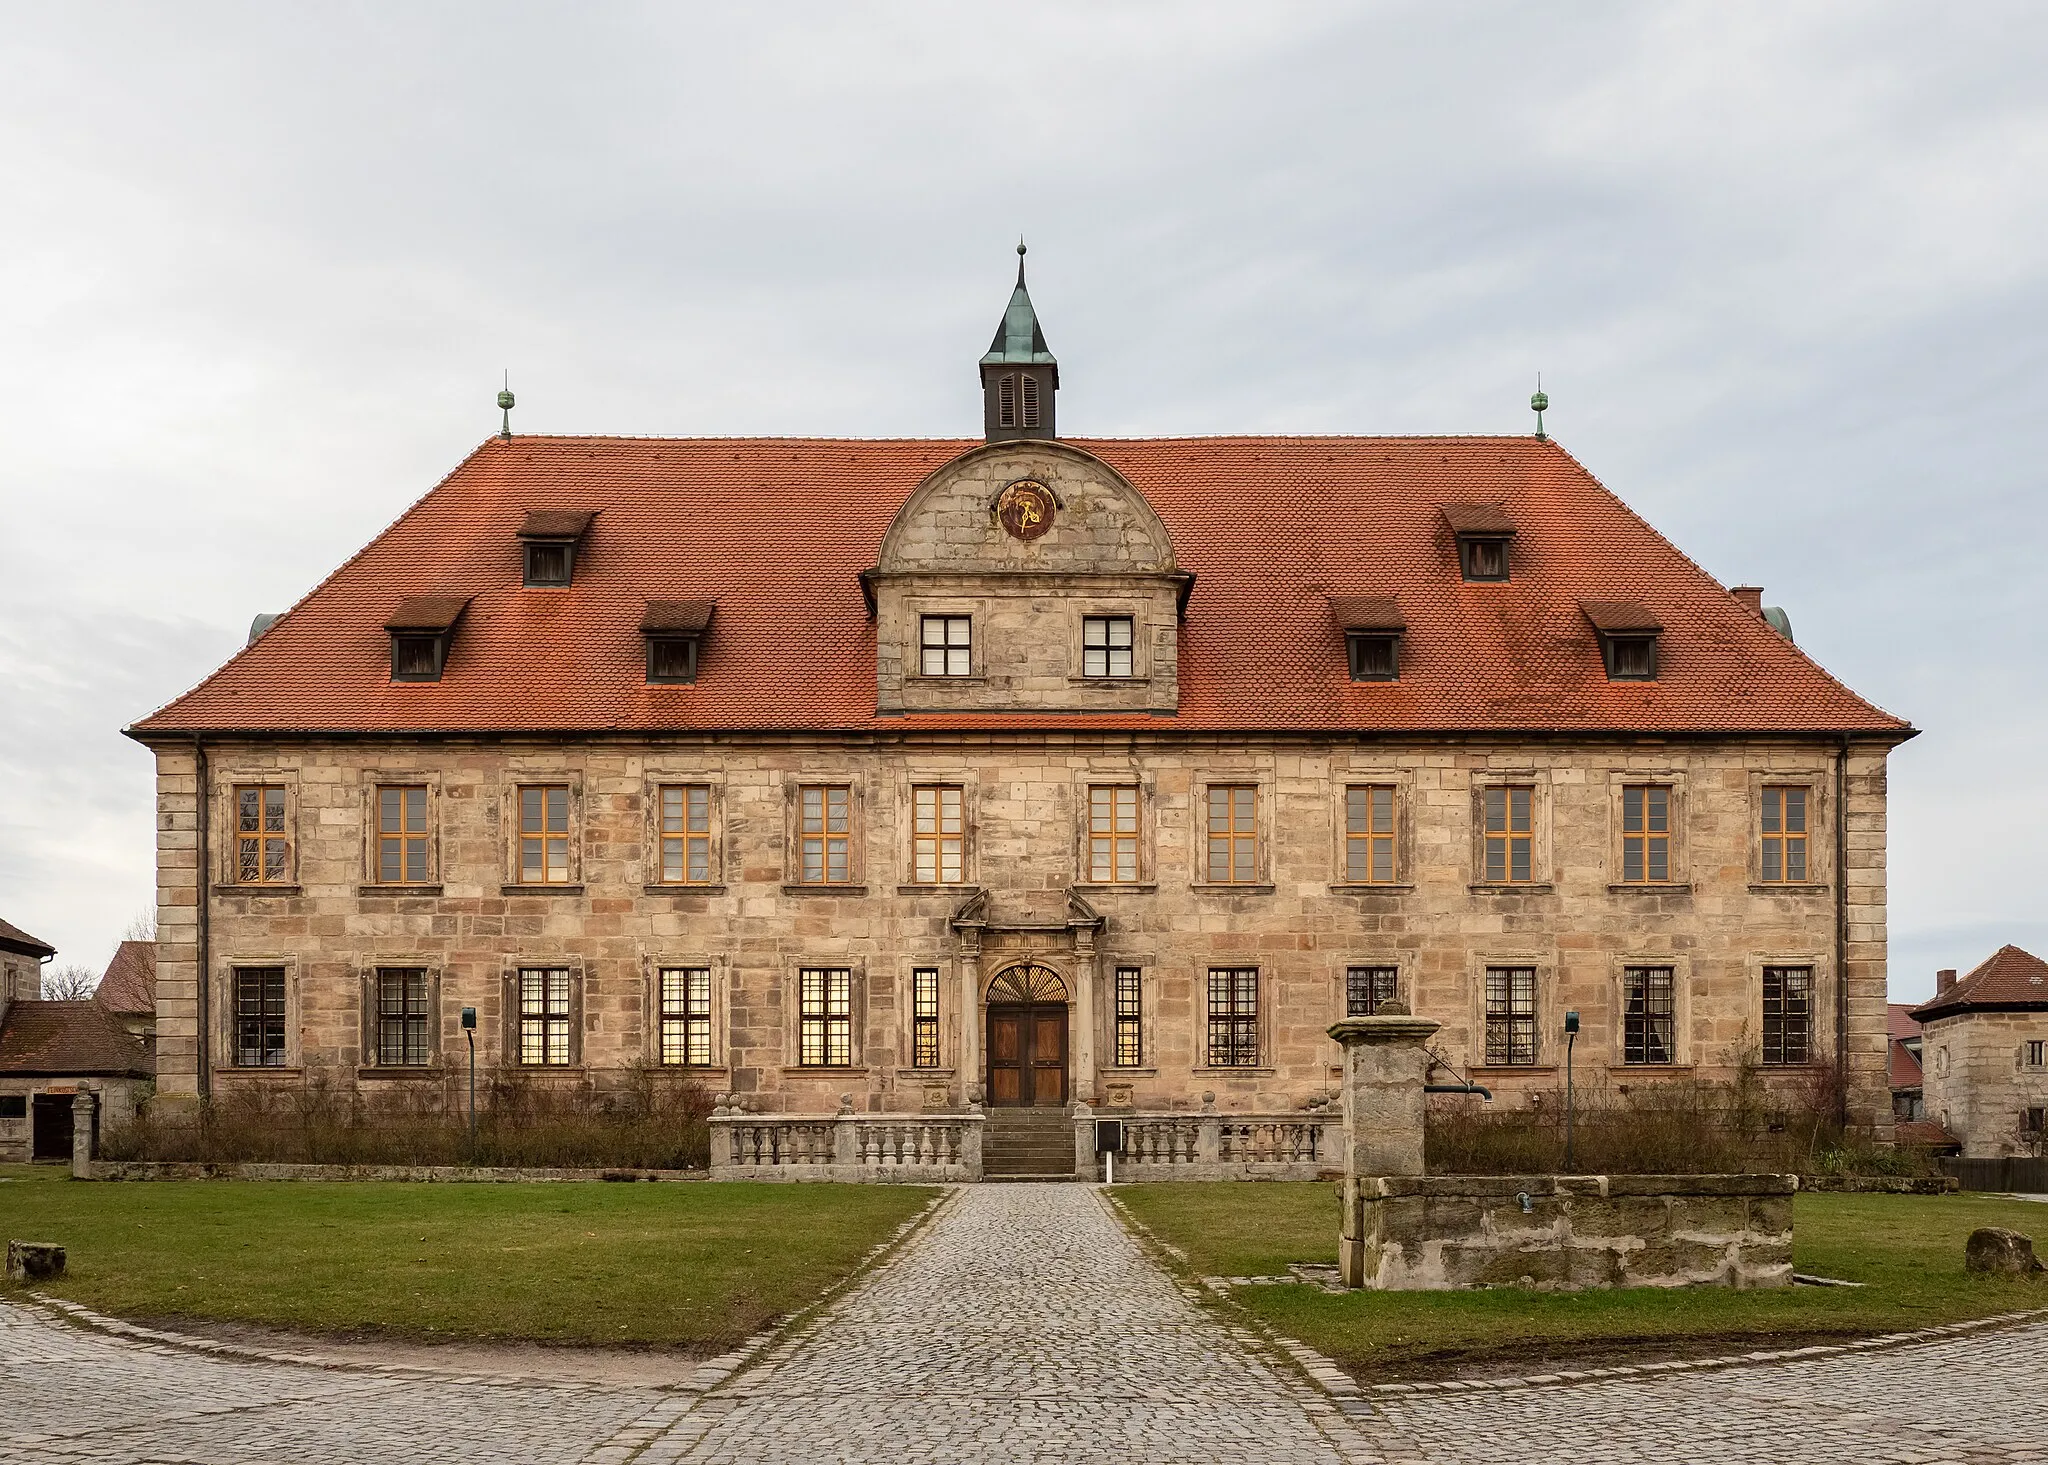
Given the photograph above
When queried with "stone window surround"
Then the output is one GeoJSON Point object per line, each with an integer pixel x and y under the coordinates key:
{"type": "Point", "coordinates": [857, 1010]}
{"type": "Point", "coordinates": [1820, 830]}
{"type": "Point", "coordinates": [1402, 781]}
{"type": "Point", "coordinates": [508, 1008]}
{"type": "Point", "coordinates": [227, 780]}
{"type": "Point", "coordinates": [1680, 872]}
{"type": "Point", "coordinates": [1148, 795]}
{"type": "Point", "coordinates": [1682, 1056]}
{"type": "Point", "coordinates": [906, 1014]}
{"type": "Point", "coordinates": [908, 777]}
{"type": "Point", "coordinates": [1549, 1013]}
{"type": "Point", "coordinates": [1821, 1051]}
{"type": "Point", "coordinates": [1080, 611]}
{"type": "Point", "coordinates": [656, 775]}
{"type": "Point", "coordinates": [382, 777]}
{"type": "Point", "coordinates": [223, 1014]}
{"type": "Point", "coordinates": [1405, 975]}
{"type": "Point", "coordinates": [506, 786]}
{"type": "Point", "coordinates": [855, 783]}
{"type": "Point", "coordinates": [720, 967]}
{"type": "Point", "coordinates": [1265, 813]}
{"type": "Point", "coordinates": [1200, 1008]}
{"type": "Point", "coordinates": [917, 607]}
{"type": "Point", "coordinates": [367, 1061]}
{"type": "Point", "coordinates": [1147, 963]}
{"type": "Point", "coordinates": [1541, 800]}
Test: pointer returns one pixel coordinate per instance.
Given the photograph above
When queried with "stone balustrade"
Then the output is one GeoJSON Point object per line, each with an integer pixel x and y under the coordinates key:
{"type": "Point", "coordinates": [909, 1149]}
{"type": "Point", "coordinates": [1305, 1145]}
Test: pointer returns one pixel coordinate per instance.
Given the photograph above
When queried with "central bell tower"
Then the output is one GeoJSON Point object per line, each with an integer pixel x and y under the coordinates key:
{"type": "Point", "coordinates": [1018, 375]}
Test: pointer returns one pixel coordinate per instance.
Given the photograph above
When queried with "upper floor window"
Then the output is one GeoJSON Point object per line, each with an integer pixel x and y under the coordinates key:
{"type": "Point", "coordinates": [946, 646]}
{"type": "Point", "coordinates": [1233, 833]}
{"type": "Point", "coordinates": [924, 1017]}
{"type": "Point", "coordinates": [1510, 835]}
{"type": "Point", "coordinates": [422, 629]}
{"type": "Point", "coordinates": [685, 833]}
{"type": "Point", "coordinates": [686, 1016]}
{"type": "Point", "coordinates": [1369, 834]}
{"type": "Point", "coordinates": [544, 1026]}
{"type": "Point", "coordinates": [1106, 646]}
{"type": "Point", "coordinates": [825, 833]}
{"type": "Point", "coordinates": [402, 834]}
{"type": "Point", "coordinates": [1646, 1014]}
{"type": "Point", "coordinates": [548, 538]}
{"type": "Point", "coordinates": [1510, 1016]}
{"type": "Point", "coordinates": [1366, 987]}
{"type": "Point", "coordinates": [2037, 1053]}
{"type": "Point", "coordinates": [259, 1017]}
{"type": "Point", "coordinates": [825, 1017]}
{"type": "Point", "coordinates": [404, 1038]}
{"type": "Point", "coordinates": [1130, 1017]}
{"type": "Point", "coordinates": [938, 834]}
{"type": "Point", "coordinates": [1628, 634]}
{"type": "Point", "coordinates": [1788, 1014]}
{"type": "Point", "coordinates": [1233, 1017]}
{"type": "Point", "coordinates": [674, 631]}
{"type": "Point", "coordinates": [1784, 834]}
{"type": "Point", "coordinates": [1112, 834]}
{"type": "Point", "coordinates": [263, 845]}
{"type": "Point", "coordinates": [1646, 834]}
{"type": "Point", "coordinates": [544, 834]}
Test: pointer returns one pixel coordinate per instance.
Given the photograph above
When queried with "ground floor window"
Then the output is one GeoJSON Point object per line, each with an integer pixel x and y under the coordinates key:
{"type": "Point", "coordinates": [402, 1017]}
{"type": "Point", "coordinates": [1233, 1017]}
{"type": "Point", "coordinates": [1366, 987]}
{"type": "Point", "coordinates": [1510, 1015]}
{"type": "Point", "coordinates": [1646, 1014]}
{"type": "Point", "coordinates": [1130, 1017]}
{"type": "Point", "coordinates": [1788, 1014]}
{"type": "Point", "coordinates": [259, 1017]}
{"type": "Point", "coordinates": [825, 1017]}
{"type": "Point", "coordinates": [544, 1028]}
{"type": "Point", "coordinates": [686, 1016]}
{"type": "Point", "coordinates": [924, 1017]}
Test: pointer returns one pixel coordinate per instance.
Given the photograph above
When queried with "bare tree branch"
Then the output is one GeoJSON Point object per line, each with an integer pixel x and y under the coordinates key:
{"type": "Point", "coordinates": [143, 927]}
{"type": "Point", "coordinates": [72, 983]}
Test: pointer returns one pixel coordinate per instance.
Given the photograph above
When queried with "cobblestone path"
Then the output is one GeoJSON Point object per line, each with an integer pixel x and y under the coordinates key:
{"type": "Point", "coordinates": [1022, 1326]}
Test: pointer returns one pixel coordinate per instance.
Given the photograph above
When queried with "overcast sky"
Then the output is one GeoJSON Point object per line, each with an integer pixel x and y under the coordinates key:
{"type": "Point", "coordinates": [1781, 265]}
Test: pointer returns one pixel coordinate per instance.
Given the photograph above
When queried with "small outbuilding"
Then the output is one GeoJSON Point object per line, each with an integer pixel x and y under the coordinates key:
{"type": "Point", "coordinates": [1984, 1055]}
{"type": "Point", "coordinates": [50, 1053]}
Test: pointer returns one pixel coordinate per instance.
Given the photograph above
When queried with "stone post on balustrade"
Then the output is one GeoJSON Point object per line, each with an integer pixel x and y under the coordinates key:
{"type": "Point", "coordinates": [1386, 1064]}
{"type": "Point", "coordinates": [83, 1107]}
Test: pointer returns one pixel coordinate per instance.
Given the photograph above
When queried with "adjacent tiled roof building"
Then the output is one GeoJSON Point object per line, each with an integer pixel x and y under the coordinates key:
{"type": "Point", "coordinates": [2009, 980]}
{"type": "Point", "coordinates": [128, 989]}
{"type": "Point", "coordinates": [66, 1039]}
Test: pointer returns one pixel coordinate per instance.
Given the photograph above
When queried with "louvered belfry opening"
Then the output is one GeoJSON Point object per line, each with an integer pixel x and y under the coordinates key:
{"type": "Point", "coordinates": [1006, 401]}
{"type": "Point", "coordinates": [1029, 393]}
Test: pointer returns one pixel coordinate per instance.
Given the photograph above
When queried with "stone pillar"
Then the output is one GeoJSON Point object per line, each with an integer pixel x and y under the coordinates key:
{"type": "Point", "coordinates": [1385, 1111]}
{"type": "Point", "coordinates": [970, 1017]}
{"type": "Point", "coordinates": [83, 1107]}
{"type": "Point", "coordinates": [1084, 1016]}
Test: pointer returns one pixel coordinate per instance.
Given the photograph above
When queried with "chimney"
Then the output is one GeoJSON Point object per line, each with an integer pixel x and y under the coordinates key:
{"type": "Point", "coordinates": [1751, 596]}
{"type": "Point", "coordinates": [1944, 979]}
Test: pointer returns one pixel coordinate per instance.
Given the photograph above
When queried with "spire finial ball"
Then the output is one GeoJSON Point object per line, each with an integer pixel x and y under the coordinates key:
{"type": "Point", "coordinates": [1540, 402]}
{"type": "Point", "coordinates": [506, 401]}
{"type": "Point", "coordinates": [1020, 244]}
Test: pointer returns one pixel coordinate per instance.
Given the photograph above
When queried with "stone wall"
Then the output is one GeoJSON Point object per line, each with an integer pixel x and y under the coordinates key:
{"type": "Point", "coordinates": [1566, 1232]}
{"type": "Point", "coordinates": [1301, 925]}
{"type": "Point", "coordinates": [117, 1099]}
{"type": "Point", "coordinates": [1977, 1081]}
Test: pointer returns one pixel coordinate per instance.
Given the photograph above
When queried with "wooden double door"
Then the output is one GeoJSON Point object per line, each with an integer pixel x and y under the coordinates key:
{"type": "Point", "coordinates": [1027, 1054]}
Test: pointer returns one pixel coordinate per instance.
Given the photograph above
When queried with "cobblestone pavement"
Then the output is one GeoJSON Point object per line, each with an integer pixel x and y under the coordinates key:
{"type": "Point", "coordinates": [1022, 1326]}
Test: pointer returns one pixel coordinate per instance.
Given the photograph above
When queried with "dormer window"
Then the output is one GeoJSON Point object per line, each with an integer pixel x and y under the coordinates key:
{"type": "Point", "coordinates": [945, 646]}
{"type": "Point", "coordinates": [549, 538]}
{"type": "Point", "coordinates": [1373, 627]}
{"type": "Point", "coordinates": [1106, 646]}
{"type": "Point", "coordinates": [1483, 532]}
{"type": "Point", "coordinates": [1628, 638]}
{"type": "Point", "coordinates": [422, 629]}
{"type": "Point", "coordinates": [674, 630]}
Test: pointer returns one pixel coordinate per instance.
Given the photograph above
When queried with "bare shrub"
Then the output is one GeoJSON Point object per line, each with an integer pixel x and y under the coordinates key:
{"type": "Point", "coordinates": [650, 1121]}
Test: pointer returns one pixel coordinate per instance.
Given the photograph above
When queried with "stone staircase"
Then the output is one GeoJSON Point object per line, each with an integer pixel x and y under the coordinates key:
{"type": "Point", "coordinates": [1027, 1144]}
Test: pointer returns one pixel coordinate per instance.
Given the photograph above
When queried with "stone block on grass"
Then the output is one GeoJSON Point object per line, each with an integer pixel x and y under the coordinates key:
{"type": "Point", "coordinates": [34, 1261]}
{"type": "Point", "coordinates": [2000, 1252]}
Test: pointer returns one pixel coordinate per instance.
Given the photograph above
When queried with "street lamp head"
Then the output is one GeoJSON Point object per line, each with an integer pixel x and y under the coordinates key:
{"type": "Point", "coordinates": [1571, 1022]}
{"type": "Point", "coordinates": [469, 1018]}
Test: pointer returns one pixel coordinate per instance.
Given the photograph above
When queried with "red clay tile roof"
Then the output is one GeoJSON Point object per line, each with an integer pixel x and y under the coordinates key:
{"type": "Point", "coordinates": [1486, 519]}
{"type": "Point", "coordinates": [129, 986]}
{"type": "Point", "coordinates": [556, 524]}
{"type": "Point", "coordinates": [68, 1037]}
{"type": "Point", "coordinates": [2010, 979]}
{"type": "Point", "coordinates": [677, 615]}
{"type": "Point", "coordinates": [1925, 1132]}
{"type": "Point", "coordinates": [777, 530]}
{"type": "Point", "coordinates": [1367, 612]}
{"type": "Point", "coordinates": [1898, 1021]}
{"type": "Point", "coordinates": [13, 938]}
{"type": "Point", "coordinates": [424, 613]}
{"type": "Point", "coordinates": [1620, 615]}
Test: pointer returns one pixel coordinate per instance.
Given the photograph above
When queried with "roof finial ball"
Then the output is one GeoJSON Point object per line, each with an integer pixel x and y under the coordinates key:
{"type": "Point", "coordinates": [1539, 404]}
{"type": "Point", "coordinates": [505, 404]}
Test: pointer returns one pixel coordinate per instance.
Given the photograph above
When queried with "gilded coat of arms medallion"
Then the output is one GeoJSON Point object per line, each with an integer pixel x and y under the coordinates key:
{"type": "Point", "coordinates": [1025, 509]}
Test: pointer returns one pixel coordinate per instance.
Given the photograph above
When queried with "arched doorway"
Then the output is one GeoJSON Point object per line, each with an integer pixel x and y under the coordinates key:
{"type": "Point", "coordinates": [1027, 1038]}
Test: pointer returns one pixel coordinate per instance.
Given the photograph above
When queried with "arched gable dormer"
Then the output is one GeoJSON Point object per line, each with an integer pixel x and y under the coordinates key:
{"type": "Point", "coordinates": [1027, 576]}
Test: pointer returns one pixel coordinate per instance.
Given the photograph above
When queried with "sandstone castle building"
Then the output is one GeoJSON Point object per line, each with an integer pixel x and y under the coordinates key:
{"type": "Point", "coordinates": [1030, 770]}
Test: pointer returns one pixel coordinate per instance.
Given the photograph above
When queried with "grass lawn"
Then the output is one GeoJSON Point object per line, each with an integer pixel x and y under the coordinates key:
{"type": "Point", "coordinates": [696, 1266]}
{"type": "Point", "coordinates": [1909, 1249]}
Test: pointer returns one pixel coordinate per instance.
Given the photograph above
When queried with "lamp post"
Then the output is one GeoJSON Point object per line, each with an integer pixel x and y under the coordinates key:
{"type": "Point", "coordinates": [1571, 1036]}
{"type": "Point", "coordinates": [469, 1032]}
